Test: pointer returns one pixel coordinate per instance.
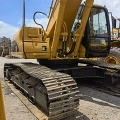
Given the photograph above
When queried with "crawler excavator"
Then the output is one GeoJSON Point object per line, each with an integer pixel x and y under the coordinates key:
{"type": "Point", "coordinates": [75, 30]}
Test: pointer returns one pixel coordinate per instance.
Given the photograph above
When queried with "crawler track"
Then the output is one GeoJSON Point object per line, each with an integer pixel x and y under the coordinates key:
{"type": "Point", "coordinates": [59, 94]}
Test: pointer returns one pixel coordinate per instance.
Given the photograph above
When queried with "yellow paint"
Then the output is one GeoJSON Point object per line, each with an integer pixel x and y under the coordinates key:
{"type": "Point", "coordinates": [59, 27]}
{"type": "Point", "coordinates": [79, 33]}
{"type": "Point", "coordinates": [2, 110]}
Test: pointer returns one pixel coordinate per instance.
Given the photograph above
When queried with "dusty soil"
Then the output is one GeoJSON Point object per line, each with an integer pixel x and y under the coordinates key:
{"type": "Point", "coordinates": [94, 105]}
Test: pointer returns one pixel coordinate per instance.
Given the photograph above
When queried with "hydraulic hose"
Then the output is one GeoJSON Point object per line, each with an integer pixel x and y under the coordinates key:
{"type": "Point", "coordinates": [71, 50]}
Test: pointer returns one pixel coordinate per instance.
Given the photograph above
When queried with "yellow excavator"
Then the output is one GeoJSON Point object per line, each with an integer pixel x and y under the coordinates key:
{"type": "Point", "coordinates": [114, 55]}
{"type": "Point", "coordinates": [75, 30]}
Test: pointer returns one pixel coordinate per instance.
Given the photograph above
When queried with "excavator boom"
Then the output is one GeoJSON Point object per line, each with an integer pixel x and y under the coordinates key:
{"type": "Point", "coordinates": [63, 13]}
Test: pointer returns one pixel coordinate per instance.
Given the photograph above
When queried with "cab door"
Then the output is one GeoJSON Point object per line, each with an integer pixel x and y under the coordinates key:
{"type": "Point", "coordinates": [97, 35]}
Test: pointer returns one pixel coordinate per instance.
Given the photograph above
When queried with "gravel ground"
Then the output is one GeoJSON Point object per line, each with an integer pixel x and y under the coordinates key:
{"type": "Point", "coordinates": [15, 109]}
{"type": "Point", "coordinates": [94, 105]}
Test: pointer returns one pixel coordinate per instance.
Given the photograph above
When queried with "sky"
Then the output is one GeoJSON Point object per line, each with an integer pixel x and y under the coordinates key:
{"type": "Point", "coordinates": [11, 13]}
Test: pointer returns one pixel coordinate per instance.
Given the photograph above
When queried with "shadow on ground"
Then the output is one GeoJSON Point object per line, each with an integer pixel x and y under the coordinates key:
{"type": "Point", "coordinates": [98, 97]}
{"type": "Point", "coordinates": [78, 116]}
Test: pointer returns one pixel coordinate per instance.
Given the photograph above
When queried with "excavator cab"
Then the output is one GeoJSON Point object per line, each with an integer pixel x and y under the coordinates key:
{"type": "Point", "coordinates": [97, 35]}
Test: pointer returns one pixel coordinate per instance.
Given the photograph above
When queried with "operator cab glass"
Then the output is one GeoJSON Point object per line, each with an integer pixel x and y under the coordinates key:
{"type": "Point", "coordinates": [97, 33]}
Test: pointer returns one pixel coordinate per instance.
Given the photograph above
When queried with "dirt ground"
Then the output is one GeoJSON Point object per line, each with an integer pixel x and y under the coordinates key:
{"type": "Point", "coordinates": [94, 105]}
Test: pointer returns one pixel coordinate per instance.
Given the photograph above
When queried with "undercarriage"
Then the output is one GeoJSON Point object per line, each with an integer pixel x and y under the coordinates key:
{"type": "Point", "coordinates": [55, 91]}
